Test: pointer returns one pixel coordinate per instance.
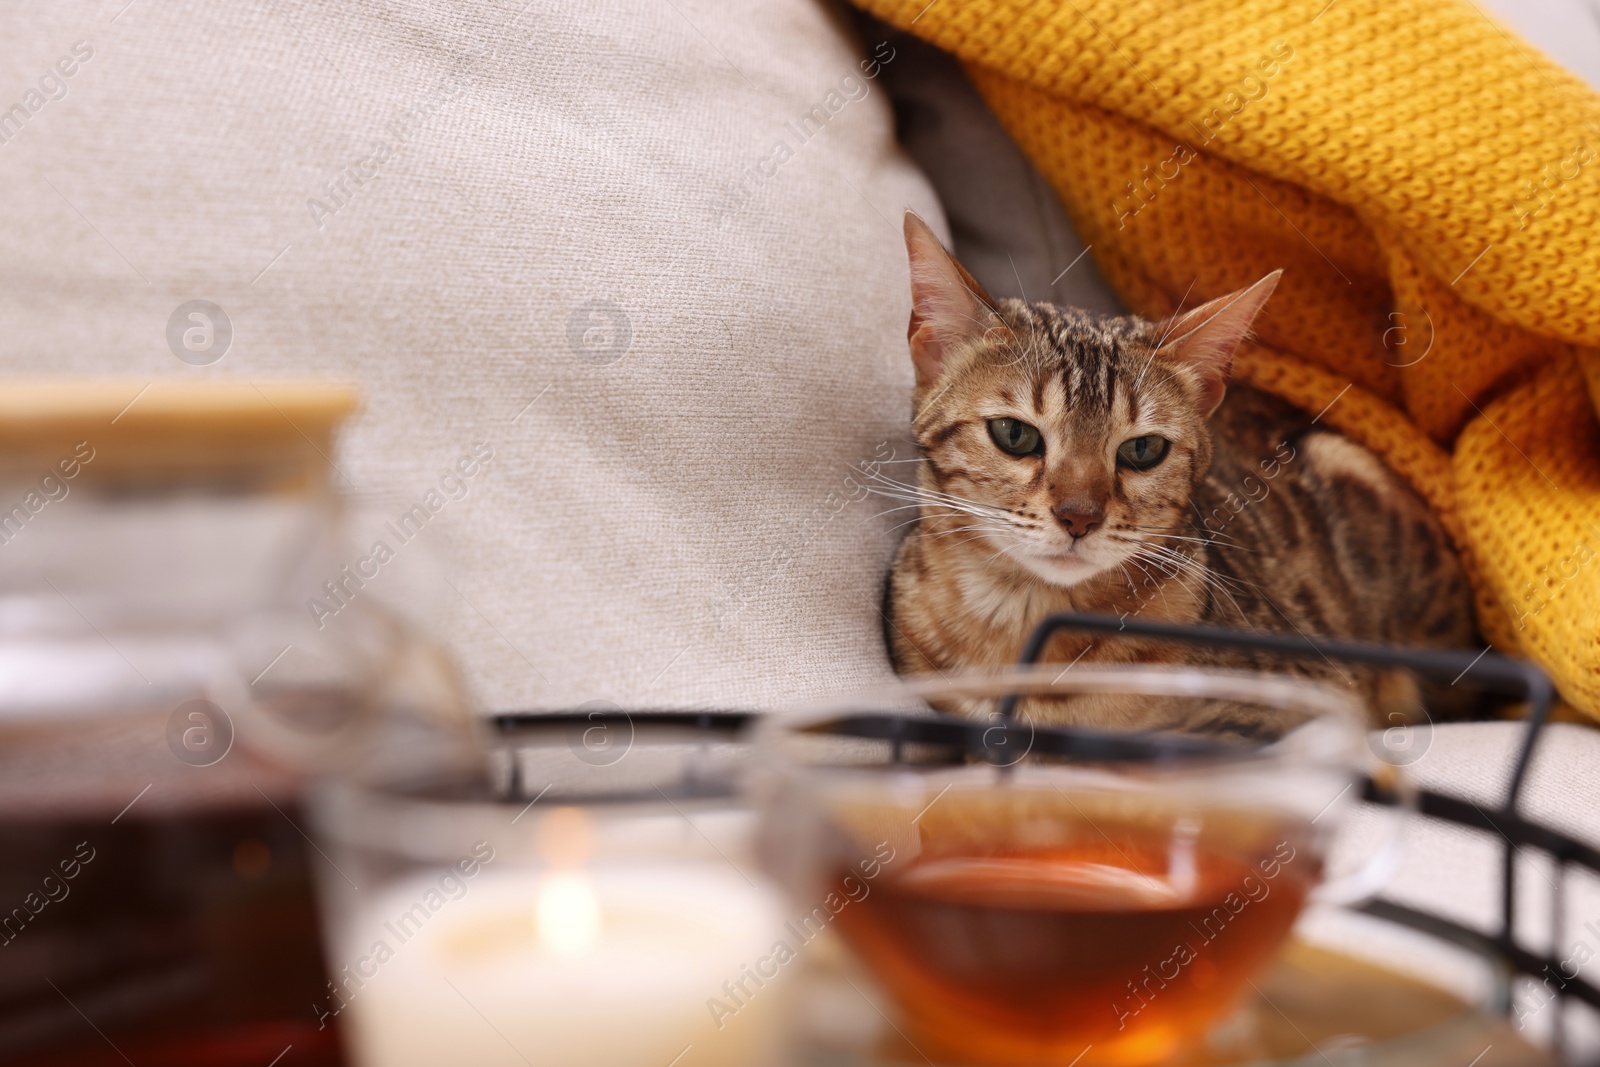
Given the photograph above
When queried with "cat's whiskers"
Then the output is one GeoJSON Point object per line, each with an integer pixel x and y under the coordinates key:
{"type": "Point", "coordinates": [988, 526]}
{"type": "Point", "coordinates": [1198, 540]}
{"type": "Point", "coordinates": [894, 485]}
{"type": "Point", "coordinates": [942, 504]}
{"type": "Point", "coordinates": [1172, 321]}
{"type": "Point", "coordinates": [1238, 585]}
{"type": "Point", "coordinates": [922, 498]}
{"type": "Point", "coordinates": [1034, 352]}
{"type": "Point", "coordinates": [991, 522]}
{"type": "Point", "coordinates": [989, 529]}
{"type": "Point", "coordinates": [1003, 551]}
{"type": "Point", "coordinates": [909, 507]}
{"type": "Point", "coordinates": [922, 513]}
{"type": "Point", "coordinates": [1188, 565]}
{"type": "Point", "coordinates": [975, 537]}
{"type": "Point", "coordinates": [983, 528]}
{"type": "Point", "coordinates": [1148, 577]}
{"type": "Point", "coordinates": [1124, 564]}
{"type": "Point", "coordinates": [1212, 537]}
{"type": "Point", "coordinates": [909, 522]}
{"type": "Point", "coordinates": [1167, 558]}
{"type": "Point", "coordinates": [1166, 332]}
{"type": "Point", "coordinates": [1173, 573]}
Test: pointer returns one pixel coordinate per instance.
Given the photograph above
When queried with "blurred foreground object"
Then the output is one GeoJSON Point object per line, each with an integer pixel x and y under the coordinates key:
{"type": "Point", "coordinates": [570, 914]}
{"type": "Point", "coordinates": [163, 690]}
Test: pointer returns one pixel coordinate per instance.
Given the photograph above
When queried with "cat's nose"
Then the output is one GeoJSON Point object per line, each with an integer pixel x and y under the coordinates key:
{"type": "Point", "coordinates": [1078, 523]}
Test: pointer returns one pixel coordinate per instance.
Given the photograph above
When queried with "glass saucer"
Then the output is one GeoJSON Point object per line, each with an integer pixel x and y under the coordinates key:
{"type": "Point", "coordinates": [1313, 1007]}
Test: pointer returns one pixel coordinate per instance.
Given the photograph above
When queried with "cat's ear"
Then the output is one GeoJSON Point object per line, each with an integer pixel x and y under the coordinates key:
{"type": "Point", "coordinates": [948, 306]}
{"type": "Point", "coordinates": [1207, 337]}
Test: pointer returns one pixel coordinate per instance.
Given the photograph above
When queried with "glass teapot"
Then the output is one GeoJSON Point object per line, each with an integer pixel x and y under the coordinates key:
{"type": "Point", "coordinates": [183, 642]}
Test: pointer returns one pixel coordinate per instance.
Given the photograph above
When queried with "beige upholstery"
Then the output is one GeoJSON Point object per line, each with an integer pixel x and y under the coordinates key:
{"type": "Point", "coordinates": [647, 252]}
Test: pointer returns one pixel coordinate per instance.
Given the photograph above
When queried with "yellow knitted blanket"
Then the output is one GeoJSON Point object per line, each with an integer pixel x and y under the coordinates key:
{"type": "Point", "coordinates": [1431, 185]}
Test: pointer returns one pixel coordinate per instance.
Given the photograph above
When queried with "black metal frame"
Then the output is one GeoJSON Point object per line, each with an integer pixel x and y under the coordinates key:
{"type": "Point", "coordinates": [731, 723]}
{"type": "Point", "coordinates": [1487, 671]}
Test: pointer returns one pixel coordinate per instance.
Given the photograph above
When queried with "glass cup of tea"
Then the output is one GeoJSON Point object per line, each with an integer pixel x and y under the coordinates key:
{"type": "Point", "coordinates": [1034, 894]}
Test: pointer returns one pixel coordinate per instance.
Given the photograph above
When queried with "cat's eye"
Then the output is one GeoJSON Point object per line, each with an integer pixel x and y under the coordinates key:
{"type": "Point", "coordinates": [1142, 453]}
{"type": "Point", "coordinates": [1015, 436]}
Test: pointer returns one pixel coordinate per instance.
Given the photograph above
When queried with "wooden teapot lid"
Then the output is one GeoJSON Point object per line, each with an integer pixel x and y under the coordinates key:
{"type": "Point", "coordinates": [170, 434]}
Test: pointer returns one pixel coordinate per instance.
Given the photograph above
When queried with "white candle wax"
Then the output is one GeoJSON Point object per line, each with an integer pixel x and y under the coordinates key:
{"type": "Point", "coordinates": [612, 965]}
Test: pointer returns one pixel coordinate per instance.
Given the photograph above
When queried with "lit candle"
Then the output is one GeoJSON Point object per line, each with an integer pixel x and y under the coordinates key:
{"type": "Point", "coordinates": [576, 963]}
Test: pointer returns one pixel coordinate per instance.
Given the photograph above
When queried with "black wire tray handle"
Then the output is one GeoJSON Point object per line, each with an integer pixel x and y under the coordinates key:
{"type": "Point", "coordinates": [1486, 671]}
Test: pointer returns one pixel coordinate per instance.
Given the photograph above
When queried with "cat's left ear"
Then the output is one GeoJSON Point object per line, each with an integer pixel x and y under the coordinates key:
{"type": "Point", "coordinates": [1207, 337]}
{"type": "Point", "coordinates": [948, 306]}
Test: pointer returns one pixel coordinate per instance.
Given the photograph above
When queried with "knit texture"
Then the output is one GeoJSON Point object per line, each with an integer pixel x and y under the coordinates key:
{"type": "Point", "coordinates": [1431, 186]}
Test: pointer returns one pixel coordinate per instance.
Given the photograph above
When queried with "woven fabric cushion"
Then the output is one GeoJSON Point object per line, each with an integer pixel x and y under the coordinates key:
{"type": "Point", "coordinates": [647, 254]}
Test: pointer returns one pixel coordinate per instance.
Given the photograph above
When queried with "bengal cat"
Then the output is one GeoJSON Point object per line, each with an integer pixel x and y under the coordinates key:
{"type": "Point", "coordinates": [1071, 461]}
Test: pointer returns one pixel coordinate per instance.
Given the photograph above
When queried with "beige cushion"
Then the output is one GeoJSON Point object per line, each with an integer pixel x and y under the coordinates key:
{"type": "Point", "coordinates": [565, 230]}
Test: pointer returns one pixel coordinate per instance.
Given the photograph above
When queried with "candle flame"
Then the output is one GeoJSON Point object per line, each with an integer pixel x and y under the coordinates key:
{"type": "Point", "coordinates": [567, 914]}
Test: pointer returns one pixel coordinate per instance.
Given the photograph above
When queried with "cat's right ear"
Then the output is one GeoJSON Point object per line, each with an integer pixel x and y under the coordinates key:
{"type": "Point", "coordinates": [1207, 337]}
{"type": "Point", "coordinates": [948, 306]}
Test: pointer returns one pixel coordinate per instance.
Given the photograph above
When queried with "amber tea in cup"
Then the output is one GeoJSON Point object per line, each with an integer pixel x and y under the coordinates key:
{"type": "Point", "coordinates": [1021, 935]}
{"type": "Point", "coordinates": [1049, 912]}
